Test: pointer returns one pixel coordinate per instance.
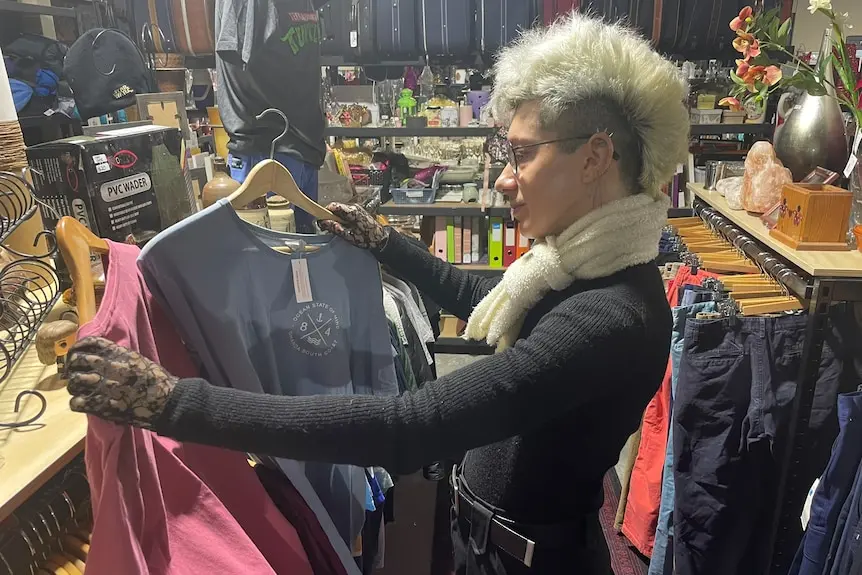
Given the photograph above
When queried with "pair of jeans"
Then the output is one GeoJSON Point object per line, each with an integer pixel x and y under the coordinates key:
{"type": "Point", "coordinates": [304, 174]}
{"type": "Point", "coordinates": [661, 562]}
{"type": "Point", "coordinates": [692, 294]}
{"type": "Point", "coordinates": [737, 381]}
{"type": "Point", "coordinates": [832, 493]}
{"type": "Point", "coordinates": [645, 484]}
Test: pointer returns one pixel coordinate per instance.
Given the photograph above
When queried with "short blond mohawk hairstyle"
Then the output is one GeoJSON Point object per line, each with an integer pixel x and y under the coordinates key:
{"type": "Point", "coordinates": [581, 58]}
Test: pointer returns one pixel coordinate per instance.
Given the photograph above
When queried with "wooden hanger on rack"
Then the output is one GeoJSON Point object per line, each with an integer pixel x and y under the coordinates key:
{"type": "Point", "coordinates": [270, 176]}
{"type": "Point", "coordinates": [76, 242]}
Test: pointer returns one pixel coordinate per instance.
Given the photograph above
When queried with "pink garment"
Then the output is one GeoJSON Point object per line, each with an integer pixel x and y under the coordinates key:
{"type": "Point", "coordinates": [161, 507]}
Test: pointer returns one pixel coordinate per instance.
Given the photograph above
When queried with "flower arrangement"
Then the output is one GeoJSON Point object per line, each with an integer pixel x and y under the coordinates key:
{"type": "Point", "coordinates": [758, 73]}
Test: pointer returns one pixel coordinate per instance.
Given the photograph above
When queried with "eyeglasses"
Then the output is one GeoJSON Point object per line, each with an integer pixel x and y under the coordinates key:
{"type": "Point", "coordinates": [513, 157]}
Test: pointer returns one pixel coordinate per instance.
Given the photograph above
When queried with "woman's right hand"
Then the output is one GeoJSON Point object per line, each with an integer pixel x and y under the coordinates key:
{"type": "Point", "coordinates": [357, 226]}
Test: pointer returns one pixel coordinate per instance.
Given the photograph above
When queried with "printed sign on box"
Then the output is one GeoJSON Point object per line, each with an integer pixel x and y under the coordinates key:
{"type": "Point", "coordinates": [125, 185]}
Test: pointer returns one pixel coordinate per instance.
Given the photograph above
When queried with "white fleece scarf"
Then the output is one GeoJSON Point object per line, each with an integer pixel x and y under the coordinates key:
{"type": "Point", "coordinates": [616, 236]}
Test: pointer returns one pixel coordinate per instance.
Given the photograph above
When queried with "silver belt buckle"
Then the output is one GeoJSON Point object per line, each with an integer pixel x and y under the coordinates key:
{"type": "Point", "coordinates": [527, 559]}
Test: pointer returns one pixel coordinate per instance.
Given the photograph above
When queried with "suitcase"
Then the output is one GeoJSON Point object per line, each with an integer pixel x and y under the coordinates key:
{"type": "Point", "coordinates": [361, 28]}
{"type": "Point", "coordinates": [500, 21]}
{"type": "Point", "coordinates": [610, 10]}
{"type": "Point", "coordinates": [705, 26]}
{"type": "Point", "coordinates": [335, 28]}
{"type": "Point", "coordinates": [658, 20]}
{"type": "Point", "coordinates": [194, 22]}
{"type": "Point", "coordinates": [553, 9]}
{"type": "Point", "coordinates": [396, 28]}
{"type": "Point", "coordinates": [446, 27]}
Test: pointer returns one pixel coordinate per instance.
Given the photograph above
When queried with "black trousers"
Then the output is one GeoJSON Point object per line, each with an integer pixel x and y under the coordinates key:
{"type": "Point", "coordinates": [587, 555]}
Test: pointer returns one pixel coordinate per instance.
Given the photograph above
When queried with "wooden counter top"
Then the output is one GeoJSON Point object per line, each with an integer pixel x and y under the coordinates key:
{"type": "Point", "coordinates": [31, 455]}
{"type": "Point", "coordinates": [814, 263]}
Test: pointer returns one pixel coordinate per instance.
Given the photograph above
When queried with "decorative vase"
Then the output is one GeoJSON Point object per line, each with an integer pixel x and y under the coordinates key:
{"type": "Point", "coordinates": [220, 186]}
{"type": "Point", "coordinates": [813, 134]}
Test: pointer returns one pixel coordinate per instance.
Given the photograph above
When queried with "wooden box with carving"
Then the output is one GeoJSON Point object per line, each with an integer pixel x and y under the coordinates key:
{"type": "Point", "coordinates": [813, 217]}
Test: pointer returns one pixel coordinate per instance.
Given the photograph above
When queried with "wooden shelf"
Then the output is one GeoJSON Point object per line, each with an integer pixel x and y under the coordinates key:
{"type": "Point", "coordinates": [385, 132]}
{"type": "Point", "coordinates": [717, 129]}
{"type": "Point", "coordinates": [442, 209]}
{"type": "Point", "coordinates": [31, 455]}
{"type": "Point", "coordinates": [482, 269]}
{"type": "Point", "coordinates": [456, 345]}
{"type": "Point", "coordinates": [815, 263]}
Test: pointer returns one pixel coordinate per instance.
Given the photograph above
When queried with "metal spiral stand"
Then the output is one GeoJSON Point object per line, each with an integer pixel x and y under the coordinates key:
{"type": "Point", "coordinates": [36, 530]}
{"type": "Point", "coordinates": [29, 285]}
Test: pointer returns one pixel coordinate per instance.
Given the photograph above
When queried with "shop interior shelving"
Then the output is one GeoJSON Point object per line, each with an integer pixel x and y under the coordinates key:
{"type": "Point", "coordinates": [819, 279]}
{"type": "Point", "coordinates": [388, 132]}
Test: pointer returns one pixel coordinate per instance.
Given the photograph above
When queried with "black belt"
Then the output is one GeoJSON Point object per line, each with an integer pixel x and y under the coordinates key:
{"type": "Point", "coordinates": [486, 527]}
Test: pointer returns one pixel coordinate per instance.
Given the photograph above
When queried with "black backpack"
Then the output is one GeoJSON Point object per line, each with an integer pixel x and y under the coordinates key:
{"type": "Point", "coordinates": [106, 71]}
{"type": "Point", "coordinates": [47, 53]}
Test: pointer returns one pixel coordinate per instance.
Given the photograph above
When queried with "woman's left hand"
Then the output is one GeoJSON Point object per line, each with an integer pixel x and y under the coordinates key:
{"type": "Point", "coordinates": [117, 384]}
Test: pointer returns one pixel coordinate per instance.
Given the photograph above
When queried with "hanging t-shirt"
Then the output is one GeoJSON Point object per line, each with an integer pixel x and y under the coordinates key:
{"type": "Point", "coordinates": [161, 507]}
{"type": "Point", "coordinates": [269, 57]}
{"type": "Point", "coordinates": [233, 299]}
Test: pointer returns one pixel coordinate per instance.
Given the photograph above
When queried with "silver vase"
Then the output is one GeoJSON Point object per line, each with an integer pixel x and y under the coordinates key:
{"type": "Point", "coordinates": [813, 134]}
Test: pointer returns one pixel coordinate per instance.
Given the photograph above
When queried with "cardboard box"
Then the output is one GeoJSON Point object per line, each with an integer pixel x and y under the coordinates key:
{"type": "Point", "coordinates": [125, 185]}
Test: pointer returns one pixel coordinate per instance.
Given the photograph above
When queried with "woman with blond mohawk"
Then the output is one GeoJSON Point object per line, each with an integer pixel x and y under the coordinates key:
{"type": "Point", "coordinates": [581, 324]}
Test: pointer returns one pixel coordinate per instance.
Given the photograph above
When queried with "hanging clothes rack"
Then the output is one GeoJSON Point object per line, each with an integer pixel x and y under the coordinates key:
{"type": "Point", "coordinates": [819, 292]}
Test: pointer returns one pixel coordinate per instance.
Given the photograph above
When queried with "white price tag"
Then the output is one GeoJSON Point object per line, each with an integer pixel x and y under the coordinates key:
{"type": "Point", "coordinates": [806, 508]}
{"type": "Point", "coordinates": [100, 159]}
{"type": "Point", "coordinates": [854, 149]}
{"type": "Point", "coordinates": [851, 164]}
{"type": "Point", "coordinates": [301, 281]}
{"type": "Point", "coordinates": [102, 168]}
{"type": "Point", "coordinates": [414, 193]}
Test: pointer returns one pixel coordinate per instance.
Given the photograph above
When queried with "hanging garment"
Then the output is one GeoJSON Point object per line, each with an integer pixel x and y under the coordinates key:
{"type": "Point", "coordinates": [625, 476]}
{"type": "Point", "coordinates": [644, 498]}
{"type": "Point", "coordinates": [164, 507]}
{"type": "Point", "coordinates": [234, 300]}
{"type": "Point", "coordinates": [288, 500]}
{"type": "Point", "coordinates": [844, 551]}
{"type": "Point", "coordinates": [736, 385]}
{"type": "Point", "coordinates": [834, 487]}
{"type": "Point", "coordinates": [661, 562]}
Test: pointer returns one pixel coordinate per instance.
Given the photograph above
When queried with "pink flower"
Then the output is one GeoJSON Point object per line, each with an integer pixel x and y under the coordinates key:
{"type": "Point", "coordinates": [732, 103]}
{"type": "Point", "coordinates": [747, 45]}
{"type": "Point", "coordinates": [754, 75]}
{"type": "Point", "coordinates": [742, 67]}
{"type": "Point", "coordinates": [773, 75]}
{"type": "Point", "coordinates": [741, 21]}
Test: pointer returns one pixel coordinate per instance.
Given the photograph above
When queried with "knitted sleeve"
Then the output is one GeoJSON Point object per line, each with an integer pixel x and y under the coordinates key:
{"type": "Point", "coordinates": [560, 366]}
{"type": "Point", "coordinates": [453, 289]}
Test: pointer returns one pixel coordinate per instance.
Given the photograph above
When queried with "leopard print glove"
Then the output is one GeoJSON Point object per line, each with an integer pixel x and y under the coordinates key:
{"type": "Point", "coordinates": [117, 384]}
{"type": "Point", "coordinates": [357, 226]}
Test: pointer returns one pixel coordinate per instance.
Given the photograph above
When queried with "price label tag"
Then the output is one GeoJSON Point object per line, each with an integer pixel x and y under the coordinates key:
{"type": "Point", "coordinates": [851, 164]}
{"type": "Point", "coordinates": [414, 193]}
{"type": "Point", "coordinates": [301, 281]}
{"type": "Point", "coordinates": [856, 140]}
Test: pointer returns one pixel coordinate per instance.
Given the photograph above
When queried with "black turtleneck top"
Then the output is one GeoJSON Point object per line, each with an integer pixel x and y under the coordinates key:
{"type": "Point", "coordinates": [541, 422]}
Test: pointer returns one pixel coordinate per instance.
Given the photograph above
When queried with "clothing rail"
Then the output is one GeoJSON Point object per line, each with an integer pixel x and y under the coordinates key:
{"type": "Point", "coordinates": [35, 532]}
{"type": "Point", "coordinates": [795, 281]}
{"type": "Point", "coordinates": [819, 294]}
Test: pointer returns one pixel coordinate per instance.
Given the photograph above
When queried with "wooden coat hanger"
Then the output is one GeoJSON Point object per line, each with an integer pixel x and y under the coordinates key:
{"type": "Point", "coordinates": [76, 242]}
{"type": "Point", "coordinates": [770, 305]}
{"type": "Point", "coordinates": [270, 176]}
